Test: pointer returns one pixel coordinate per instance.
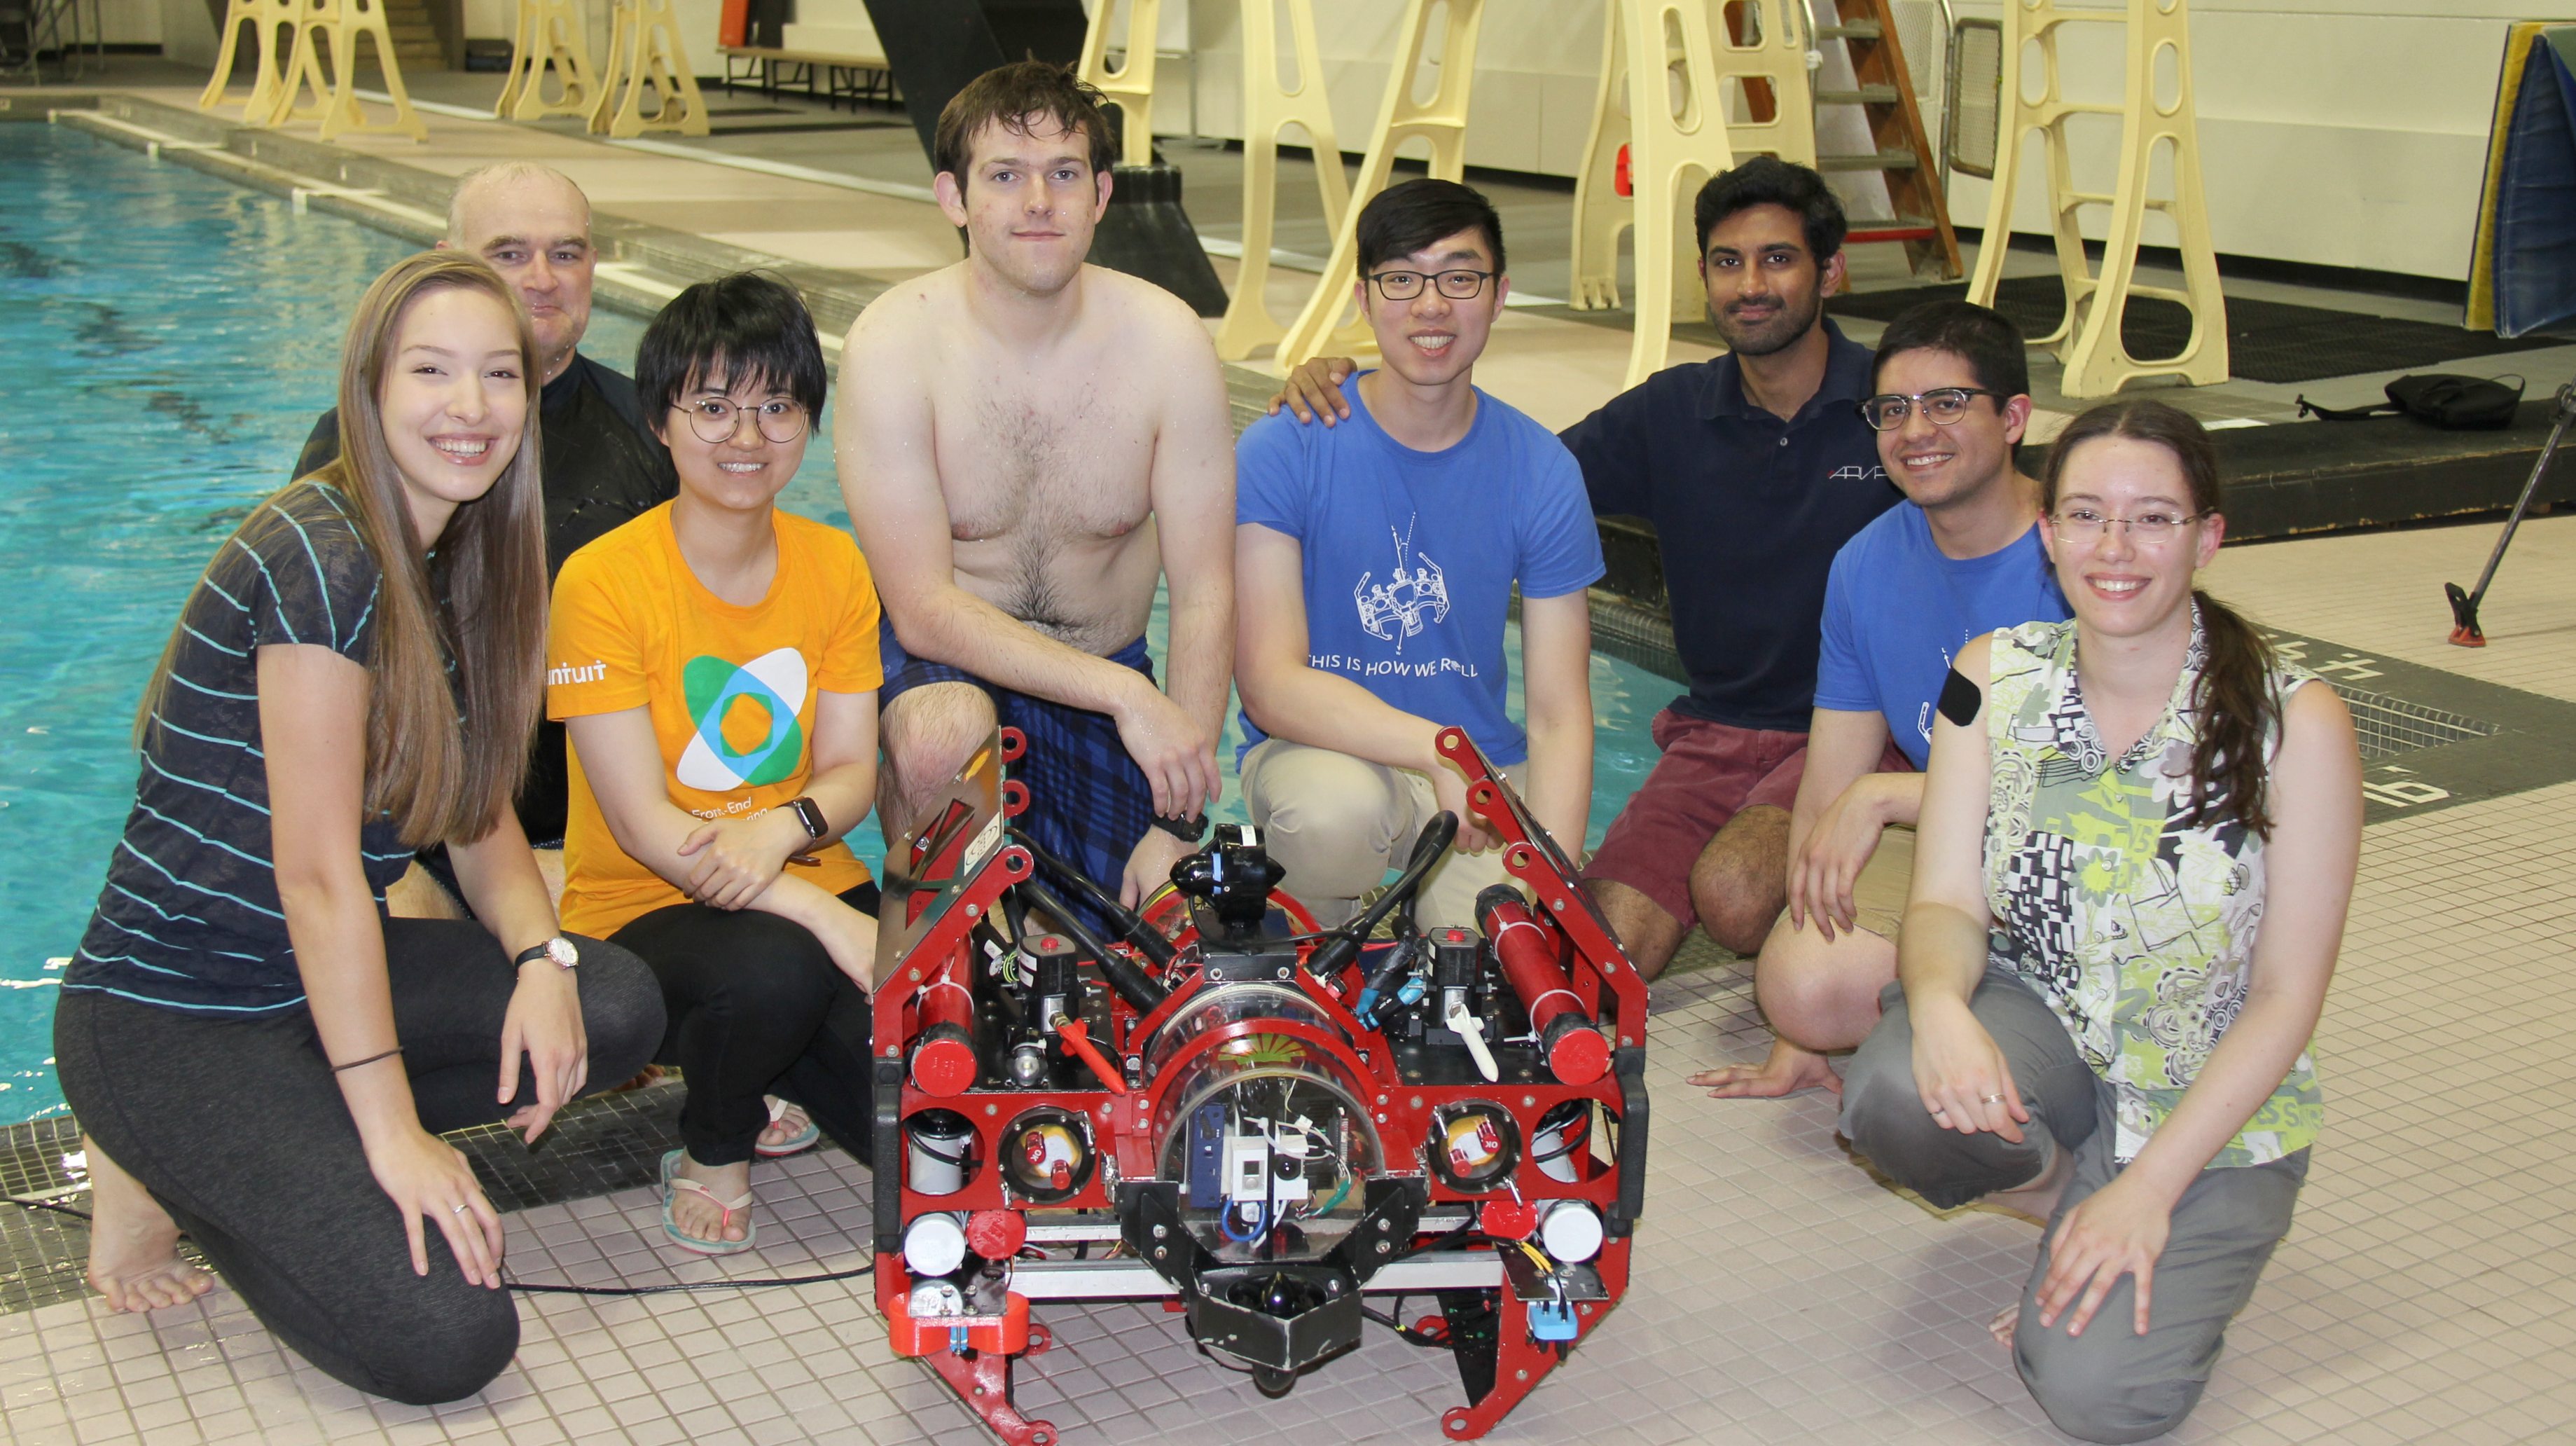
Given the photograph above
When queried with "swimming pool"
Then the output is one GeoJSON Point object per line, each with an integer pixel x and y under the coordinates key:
{"type": "Point", "coordinates": [169, 339]}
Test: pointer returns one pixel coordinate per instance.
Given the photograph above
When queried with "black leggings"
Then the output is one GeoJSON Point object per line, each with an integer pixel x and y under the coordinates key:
{"type": "Point", "coordinates": [237, 1127]}
{"type": "Point", "coordinates": [757, 1008]}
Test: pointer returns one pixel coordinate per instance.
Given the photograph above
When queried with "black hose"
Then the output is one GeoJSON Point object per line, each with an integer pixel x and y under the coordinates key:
{"type": "Point", "coordinates": [1141, 993]}
{"type": "Point", "coordinates": [1148, 941]}
{"type": "Point", "coordinates": [1338, 955]}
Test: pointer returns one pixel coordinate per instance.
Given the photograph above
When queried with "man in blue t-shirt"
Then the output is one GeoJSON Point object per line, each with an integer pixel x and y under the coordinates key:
{"type": "Point", "coordinates": [1961, 556]}
{"type": "Point", "coordinates": [1374, 570]}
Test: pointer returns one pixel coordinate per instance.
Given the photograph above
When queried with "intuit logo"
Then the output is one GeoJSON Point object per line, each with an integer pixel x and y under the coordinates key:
{"type": "Point", "coordinates": [594, 671]}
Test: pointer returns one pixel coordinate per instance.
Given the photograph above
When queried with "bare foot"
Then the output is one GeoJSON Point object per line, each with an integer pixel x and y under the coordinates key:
{"type": "Point", "coordinates": [134, 1244]}
{"type": "Point", "coordinates": [2001, 1327]}
{"type": "Point", "coordinates": [2036, 1201]}
{"type": "Point", "coordinates": [1788, 1070]}
{"type": "Point", "coordinates": [790, 1121]}
{"type": "Point", "coordinates": [696, 1215]}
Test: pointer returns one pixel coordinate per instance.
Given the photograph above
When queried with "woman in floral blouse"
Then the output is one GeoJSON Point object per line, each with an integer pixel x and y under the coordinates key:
{"type": "Point", "coordinates": [2137, 847]}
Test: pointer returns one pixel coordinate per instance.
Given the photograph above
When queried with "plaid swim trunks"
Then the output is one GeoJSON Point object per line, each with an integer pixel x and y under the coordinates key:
{"type": "Point", "coordinates": [1088, 801]}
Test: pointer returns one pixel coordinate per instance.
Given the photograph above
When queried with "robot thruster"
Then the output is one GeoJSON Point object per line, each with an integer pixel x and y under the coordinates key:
{"type": "Point", "coordinates": [1257, 1121]}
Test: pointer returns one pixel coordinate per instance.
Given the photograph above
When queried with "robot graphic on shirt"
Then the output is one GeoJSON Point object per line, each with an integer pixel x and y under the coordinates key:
{"type": "Point", "coordinates": [1407, 599]}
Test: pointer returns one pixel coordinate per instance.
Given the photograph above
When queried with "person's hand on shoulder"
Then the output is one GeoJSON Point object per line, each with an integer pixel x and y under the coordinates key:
{"type": "Point", "coordinates": [1314, 388]}
{"type": "Point", "coordinates": [544, 1023]}
{"type": "Point", "coordinates": [733, 859]}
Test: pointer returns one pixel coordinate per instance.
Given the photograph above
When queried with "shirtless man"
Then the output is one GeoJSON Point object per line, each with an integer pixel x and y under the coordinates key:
{"type": "Point", "coordinates": [1025, 442]}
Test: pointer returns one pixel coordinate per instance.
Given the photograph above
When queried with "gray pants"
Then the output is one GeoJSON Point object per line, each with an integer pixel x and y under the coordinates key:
{"type": "Point", "coordinates": [2110, 1383]}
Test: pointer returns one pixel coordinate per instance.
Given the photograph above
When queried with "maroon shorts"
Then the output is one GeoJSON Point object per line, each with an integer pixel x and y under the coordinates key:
{"type": "Point", "coordinates": [1709, 773]}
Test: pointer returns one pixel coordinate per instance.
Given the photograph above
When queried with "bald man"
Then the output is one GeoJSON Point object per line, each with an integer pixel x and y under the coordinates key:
{"type": "Point", "coordinates": [603, 465]}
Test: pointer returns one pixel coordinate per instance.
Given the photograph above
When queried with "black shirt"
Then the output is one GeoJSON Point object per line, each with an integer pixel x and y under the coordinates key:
{"type": "Point", "coordinates": [190, 916]}
{"type": "Point", "coordinates": [1749, 511]}
{"type": "Point", "coordinates": [603, 468]}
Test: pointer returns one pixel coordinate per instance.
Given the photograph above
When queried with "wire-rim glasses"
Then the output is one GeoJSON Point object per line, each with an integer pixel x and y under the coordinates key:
{"type": "Point", "coordinates": [1941, 406]}
{"type": "Point", "coordinates": [2147, 529]}
{"type": "Point", "coordinates": [713, 418]}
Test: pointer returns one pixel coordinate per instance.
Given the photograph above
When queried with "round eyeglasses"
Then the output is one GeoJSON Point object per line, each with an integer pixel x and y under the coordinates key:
{"type": "Point", "coordinates": [1455, 285]}
{"type": "Point", "coordinates": [713, 418]}
{"type": "Point", "coordinates": [2147, 529]}
{"type": "Point", "coordinates": [1941, 406]}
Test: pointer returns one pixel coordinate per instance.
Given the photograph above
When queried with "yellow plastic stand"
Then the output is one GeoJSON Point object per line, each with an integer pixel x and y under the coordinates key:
{"type": "Point", "coordinates": [1131, 86]}
{"type": "Point", "coordinates": [270, 21]}
{"type": "Point", "coordinates": [2155, 110]}
{"type": "Point", "coordinates": [339, 25]}
{"type": "Point", "coordinates": [1664, 95]}
{"type": "Point", "coordinates": [644, 50]}
{"type": "Point", "coordinates": [553, 35]}
{"type": "Point", "coordinates": [1269, 108]}
{"type": "Point", "coordinates": [1440, 120]}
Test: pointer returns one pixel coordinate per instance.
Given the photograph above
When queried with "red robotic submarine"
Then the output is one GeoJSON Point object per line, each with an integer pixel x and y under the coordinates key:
{"type": "Point", "coordinates": [1258, 1122]}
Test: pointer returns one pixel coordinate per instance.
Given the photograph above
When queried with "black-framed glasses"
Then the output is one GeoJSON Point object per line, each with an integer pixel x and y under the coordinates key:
{"type": "Point", "coordinates": [1941, 406]}
{"type": "Point", "coordinates": [713, 418]}
{"type": "Point", "coordinates": [2147, 529]}
{"type": "Point", "coordinates": [1455, 285]}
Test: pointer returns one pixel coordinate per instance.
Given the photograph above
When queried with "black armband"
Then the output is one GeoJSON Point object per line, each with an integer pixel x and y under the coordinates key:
{"type": "Point", "coordinates": [1960, 699]}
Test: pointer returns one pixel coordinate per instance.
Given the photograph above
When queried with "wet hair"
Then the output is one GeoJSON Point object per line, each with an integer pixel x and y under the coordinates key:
{"type": "Point", "coordinates": [1402, 219]}
{"type": "Point", "coordinates": [442, 763]}
{"type": "Point", "coordinates": [746, 327]}
{"type": "Point", "coordinates": [1018, 95]}
{"type": "Point", "coordinates": [1980, 336]}
{"type": "Point", "coordinates": [2235, 703]}
{"type": "Point", "coordinates": [1770, 181]}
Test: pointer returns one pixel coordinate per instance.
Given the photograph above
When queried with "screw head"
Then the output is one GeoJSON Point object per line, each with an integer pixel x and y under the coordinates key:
{"type": "Point", "coordinates": [1161, 1230]}
{"type": "Point", "coordinates": [1529, 1101]}
{"type": "Point", "coordinates": [1520, 1375]}
{"type": "Point", "coordinates": [1385, 1249]}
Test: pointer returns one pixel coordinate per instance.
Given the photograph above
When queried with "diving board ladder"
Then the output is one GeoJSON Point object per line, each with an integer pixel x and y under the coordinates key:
{"type": "Point", "coordinates": [1903, 153]}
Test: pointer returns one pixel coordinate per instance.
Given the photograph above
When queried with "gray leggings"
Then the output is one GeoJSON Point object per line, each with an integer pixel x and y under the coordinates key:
{"type": "Point", "coordinates": [237, 1128]}
{"type": "Point", "coordinates": [2110, 1383]}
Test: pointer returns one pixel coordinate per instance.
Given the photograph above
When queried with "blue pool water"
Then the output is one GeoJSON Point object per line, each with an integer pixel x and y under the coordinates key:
{"type": "Point", "coordinates": [167, 340]}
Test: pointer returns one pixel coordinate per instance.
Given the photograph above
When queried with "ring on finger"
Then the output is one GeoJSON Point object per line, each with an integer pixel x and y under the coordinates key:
{"type": "Point", "coordinates": [1991, 1099]}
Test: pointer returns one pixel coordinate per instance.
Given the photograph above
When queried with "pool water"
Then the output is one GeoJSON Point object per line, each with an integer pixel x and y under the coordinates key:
{"type": "Point", "coordinates": [168, 340]}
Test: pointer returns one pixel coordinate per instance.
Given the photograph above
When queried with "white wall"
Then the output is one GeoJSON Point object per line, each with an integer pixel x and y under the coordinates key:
{"type": "Point", "coordinates": [2341, 132]}
{"type": "Point", "coordinates": [187, 32]}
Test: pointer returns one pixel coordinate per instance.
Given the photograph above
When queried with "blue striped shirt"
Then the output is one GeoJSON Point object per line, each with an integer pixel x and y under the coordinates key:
{"type": "Point", "coordinates": [189, 917]}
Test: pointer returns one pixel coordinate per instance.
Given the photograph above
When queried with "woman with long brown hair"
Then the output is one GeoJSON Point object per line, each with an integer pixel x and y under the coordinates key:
{"type": "Point", "coordinates": [2138, 841]}
{"type": "Point", "coordinates": [258, 1055]}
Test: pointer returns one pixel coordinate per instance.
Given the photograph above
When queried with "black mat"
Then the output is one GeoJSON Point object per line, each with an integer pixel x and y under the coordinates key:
{"type": "Point", "coordinates": [597, 1146]}
{"type": "Point", "coordinates": [2267, 341]}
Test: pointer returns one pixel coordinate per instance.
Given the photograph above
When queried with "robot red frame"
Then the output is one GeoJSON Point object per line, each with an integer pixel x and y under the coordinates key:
{"type": "Point", "coordinates": [1468, 1240]}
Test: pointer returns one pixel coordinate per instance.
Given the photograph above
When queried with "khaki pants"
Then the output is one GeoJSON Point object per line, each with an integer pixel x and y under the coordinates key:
{"type": "Point", "coordinates": [1338, 823]}
{"type": "Point", "coordinates": [1878, 895]}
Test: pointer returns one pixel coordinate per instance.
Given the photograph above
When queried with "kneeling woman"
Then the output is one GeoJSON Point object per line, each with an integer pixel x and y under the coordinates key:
{"type": "Point", "coordinates": [255, 1051]}
{"type": "Point", "coordinates": [2106, 1023]}
{"type": "Point", "coordinates": [715, 661]}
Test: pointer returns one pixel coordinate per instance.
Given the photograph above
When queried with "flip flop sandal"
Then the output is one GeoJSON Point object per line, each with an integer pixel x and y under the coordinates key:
{"type": "Point", "coordinates": [673, 1182]}
{"type": "Point", "coordinates": [795, 1144]}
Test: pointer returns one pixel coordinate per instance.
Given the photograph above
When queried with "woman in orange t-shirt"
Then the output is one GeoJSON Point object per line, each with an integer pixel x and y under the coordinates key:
{"type": "Point", "coordinates": [715, 662]}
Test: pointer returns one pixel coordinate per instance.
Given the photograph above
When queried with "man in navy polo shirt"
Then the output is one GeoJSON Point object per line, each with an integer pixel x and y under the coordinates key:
{"type": "Point", "coordinates": [1961, 556]}
{"type": "Point", "coordinates": [1753, 469]}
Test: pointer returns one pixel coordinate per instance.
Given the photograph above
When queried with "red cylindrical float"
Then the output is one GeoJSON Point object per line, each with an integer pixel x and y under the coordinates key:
{"type": "Point", "coordinates": [943, 1054]}
{"type": "Point", "coordinates": [1576, 1051]}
